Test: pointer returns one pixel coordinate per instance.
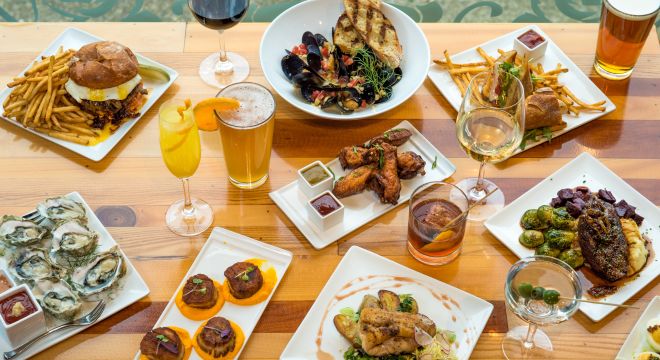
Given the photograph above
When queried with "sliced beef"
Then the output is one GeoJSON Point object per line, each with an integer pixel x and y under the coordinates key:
{"type": "Point", "coordinates": [244, 279]}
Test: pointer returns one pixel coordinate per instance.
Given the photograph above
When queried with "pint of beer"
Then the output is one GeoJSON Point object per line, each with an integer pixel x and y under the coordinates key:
{"type": "Point", "coordinates": [247, 134]}
{"type": "Point", "coordinates": [624, 27]}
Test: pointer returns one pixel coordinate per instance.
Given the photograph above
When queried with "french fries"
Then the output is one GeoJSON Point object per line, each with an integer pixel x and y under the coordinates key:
{"type": "Point", "coordinates": [38, 101]}
{"type": "Point", "coordinates": [462, 73]}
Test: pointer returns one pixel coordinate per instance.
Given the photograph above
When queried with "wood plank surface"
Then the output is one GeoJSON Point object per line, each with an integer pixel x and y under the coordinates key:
{"type": "Point", "coordinates": [131, 188]}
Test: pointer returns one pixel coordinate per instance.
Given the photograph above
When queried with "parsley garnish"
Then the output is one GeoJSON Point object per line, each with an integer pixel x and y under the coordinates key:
{"type": "Point", "coordinates": [197, 281]}
{"type": "Point", "coordinates": [406, 303]}
{"type": "Point", "coordinates": [245, 275]}
{"type": "Point", "coordinates": [381, 156]}
{"type": "Point", "coordinates": [435, 163]}
{"type": "Point", "coordinates": [534, 134]}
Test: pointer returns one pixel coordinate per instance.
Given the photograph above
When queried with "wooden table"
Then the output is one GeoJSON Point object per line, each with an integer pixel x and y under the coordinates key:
{"type": "Point", "coordinates": [131, 188]}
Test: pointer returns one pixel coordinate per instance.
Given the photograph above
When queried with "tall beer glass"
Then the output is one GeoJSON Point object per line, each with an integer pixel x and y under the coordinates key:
{"type": "Point", "coordinates": [247, 134]}
{"type": "Point", "coordinates": [624, 27]}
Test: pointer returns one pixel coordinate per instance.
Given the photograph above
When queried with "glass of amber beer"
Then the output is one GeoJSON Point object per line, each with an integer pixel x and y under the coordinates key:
{"type": "Point", "coordinates": [624, 27]}
{"type": "Point", "coordinates": [247, 133]}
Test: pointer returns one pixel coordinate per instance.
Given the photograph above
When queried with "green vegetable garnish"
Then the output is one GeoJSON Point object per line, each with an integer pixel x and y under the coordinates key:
{"type": "Point", "coordinates": [525, 290]}
{"type": "Point", "coordinates": [405, 303]}
{"type": "Point", "coordinates": [355, 316]}
{"type": "Point", "coordinates": [162, 338]}
{"type": "Point", "coordinates": [245, 275]}
{"type": "Point", "coordinates": [537, 293]}
{"type": "Point", "coordinates": [355, 150]}
{"type": "Point", "coordinates": [551, 297]}
{"type": "Point", "coordinates": [374, 71]}
{"type": "Point", "coordinates": [197, 281]}
{"type": "Point", "coordinates": [435, 163]}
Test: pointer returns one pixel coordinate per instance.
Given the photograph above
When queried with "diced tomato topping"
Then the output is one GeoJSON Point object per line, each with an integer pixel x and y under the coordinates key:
{"type": "Point", "coordinates": [348, 61]}
{"type": "Point", "coordinates": [364, 104]}
{"type": "Point", "coordinates": [300, 49]}
{"type": "Point", "coordinates": [325, 52]}
{"type": "Point", "coordinates": [325, 64]}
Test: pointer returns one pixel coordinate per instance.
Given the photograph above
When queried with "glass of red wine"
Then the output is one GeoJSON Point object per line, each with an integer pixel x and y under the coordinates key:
{"type": "Point", "coordinates": [222, 68]}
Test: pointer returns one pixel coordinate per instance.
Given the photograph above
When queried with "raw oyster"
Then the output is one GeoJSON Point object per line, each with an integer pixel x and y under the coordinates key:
{"type": "Point", "coordinates": [57, 298]}
{"type": "Point", "coordinates": [17, 231]}
{"type": "Point", "coordinates": [99, 274]}
{"type": "Point", "coordinates": [73, 238]}
{"type": "Point", "coordinates": [61, 208]}
{"type": "Point", "coordinates": [32, 264]}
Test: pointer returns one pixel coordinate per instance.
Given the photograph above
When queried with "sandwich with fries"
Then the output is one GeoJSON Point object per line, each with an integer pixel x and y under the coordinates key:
{"type": "Point", "coordinates": [78, 96]}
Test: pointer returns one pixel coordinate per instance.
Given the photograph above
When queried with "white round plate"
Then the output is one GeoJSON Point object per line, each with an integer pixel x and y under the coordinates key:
{"type": "Point", "coordinates": [320, 16]}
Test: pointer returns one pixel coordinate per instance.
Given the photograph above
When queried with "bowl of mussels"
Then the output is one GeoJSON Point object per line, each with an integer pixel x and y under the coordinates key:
{"type": "Point", "coordinates": [344, 59]}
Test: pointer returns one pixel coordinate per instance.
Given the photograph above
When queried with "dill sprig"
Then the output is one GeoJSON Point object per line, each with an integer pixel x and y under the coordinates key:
{"type": "Point", "coordinates": [374, 71]}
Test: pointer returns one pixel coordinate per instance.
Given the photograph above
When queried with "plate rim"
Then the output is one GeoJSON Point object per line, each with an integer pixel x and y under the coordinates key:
{"type": "Point", "coordinates": [129, 124]}
{"type": "Point", "coordinates": [639, 325]}
{"type": "Point", "coordinates": [356, 115]}
{"type": "Point", "coordinates": [358, 250]}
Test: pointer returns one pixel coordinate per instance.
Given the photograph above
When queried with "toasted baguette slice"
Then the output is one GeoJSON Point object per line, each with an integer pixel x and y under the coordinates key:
{"type": "Point", "coordinates": [376, 30]}
{"type": "Point", "coordinates": [345, 36]}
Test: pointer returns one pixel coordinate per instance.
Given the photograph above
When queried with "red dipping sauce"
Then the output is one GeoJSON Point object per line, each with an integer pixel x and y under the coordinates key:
{"type": "Point", "coordinates": [531, 39]}
{"type": "Point", "coordinates": [325, 204]}
{"type": "Point", "coordinates": [17, 307]}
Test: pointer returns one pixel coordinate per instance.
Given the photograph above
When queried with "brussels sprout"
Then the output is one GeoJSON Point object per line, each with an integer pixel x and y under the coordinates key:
{"type": "Point", "coordinates": [544, 214]}
{"type": "Point", "coordinates": [530, 221]}
{"type": "Point", "coordinates": [559, 239]}
{"type": "Point", "coordinates": [572, 257]}
{"type": "Point", "coordinates": [546, 250]}
{"type": "Point", "coordinates": [531, 238]}
{"type": "Point", "coordinates": [561, 219]}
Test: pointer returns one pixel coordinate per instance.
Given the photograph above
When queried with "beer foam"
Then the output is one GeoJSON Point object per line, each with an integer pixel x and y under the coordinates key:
{"type": "Point", "coordinates": [633, 10]}
{"type": "Point", "coordinates": [257, 105]}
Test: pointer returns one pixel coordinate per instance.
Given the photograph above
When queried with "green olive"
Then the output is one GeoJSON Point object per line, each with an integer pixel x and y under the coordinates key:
{"type": "Point", "coordinates": [537, 293]}
{"type": "Point", "coordinates": [551, 297]}
{"type": "Point", "coordinates": [525, 290]}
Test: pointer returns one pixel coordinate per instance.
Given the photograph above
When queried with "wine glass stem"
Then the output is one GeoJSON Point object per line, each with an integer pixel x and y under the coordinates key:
{"type": "Point", "coordinates": [188, 209]}
{"type": "Point", "coordinates": [477, 192]}
{"type": "Point", "coordinates": [224, 65]}
{"type": "Point", "coordinates": [528, 343]}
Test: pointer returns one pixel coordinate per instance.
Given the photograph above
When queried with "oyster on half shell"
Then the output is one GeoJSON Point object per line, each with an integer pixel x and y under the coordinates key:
{"type": "Point", "coordinates": [101, 273]}
{"type": "Point", "coordinates": [57, 298]}
{"type": "Point", "coordinates": [61, 208]}
{"type": "Point", "coordinates": [32, 264]}
{"type": "Point", "coordinates": [17, 231]}
{"type": "Point", "coordinates": [73, 238]}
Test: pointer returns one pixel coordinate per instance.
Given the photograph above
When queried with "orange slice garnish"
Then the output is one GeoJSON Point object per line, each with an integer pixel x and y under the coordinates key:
{"type": "Point", "coordinates": [204, 111]}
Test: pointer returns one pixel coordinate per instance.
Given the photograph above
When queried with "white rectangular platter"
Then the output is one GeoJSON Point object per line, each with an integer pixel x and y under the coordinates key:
{"type": "Point", "coordinates": [222, 249]}
{"type": "Point", "coordinates": [362, 272]}
{"type": "Point", "coordinates": [575, 79]}
{"type": "Point", "coordinates": [364, 207]}
{"type": "Point", "coordinates": [131, 289]}
{"type": "Point", "coordinates": [73, 38]}
{"type": "Point", "coordinates": [636, 340]}
{"type": "Point", "coordinates": [583, 170]}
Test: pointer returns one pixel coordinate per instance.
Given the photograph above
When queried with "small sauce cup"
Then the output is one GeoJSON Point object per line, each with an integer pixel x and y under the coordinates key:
{"type": "Point", "coordinates": [531, 43]}
{"type": "Point", "coordinates": [26, 328]}
{"type": "Point", "coordinates": [325, 210]}
{"type": "Point", "coordinates": [309, 181]}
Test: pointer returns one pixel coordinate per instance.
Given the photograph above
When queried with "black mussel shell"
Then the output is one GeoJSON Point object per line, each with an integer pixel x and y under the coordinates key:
{"type": "Point", "coordinates": [314, 57]}
{"type": "Point", "coordinates": [309, 39]}
{"type": "Point", "coordinates": [394, 78]}
{"type": "Point", "coordinates": [342, 71]}
{"type": "Point", "coordinates": [320, 40]}
{"type": "Point", "coordinates": [368, 94]}
{"type": "Point", "coordinates": [292, 64]}
{"type": "Point", "coordinates": [306, 92]}
{"type": "Point", "coordinates": [387, 96]}
{"type": "Point", "coordinates": [306, 78]}
{"type": "Point", "coordinates": [349, 99]}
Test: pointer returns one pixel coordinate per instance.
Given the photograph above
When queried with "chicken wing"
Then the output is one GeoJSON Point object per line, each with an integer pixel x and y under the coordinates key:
{"type": "Point", "coordinates": [351, 157]}
{"type": "Point", "coordinates": [395, 137]}
{"type": "Point", "coordinates": [387, 176]}
{"type": "Point", "coordinates": [354, 182]}
{"type": "Point", "coordinates": [409, 165]}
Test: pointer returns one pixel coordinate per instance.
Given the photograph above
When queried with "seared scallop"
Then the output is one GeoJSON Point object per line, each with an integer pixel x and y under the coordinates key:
{"type": "Point", "coordinates": [244, 279]}
{"type": "Point", "coordinates": [162, 344]}
{"type": "Point", "coordinates": [200, 292]}
{"type": "Point", "coordinates": [217, 338]}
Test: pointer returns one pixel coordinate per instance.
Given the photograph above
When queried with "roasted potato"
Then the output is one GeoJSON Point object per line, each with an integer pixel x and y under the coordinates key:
{"type": "Point", "coordinates": [389, 300]}
{"type": "Point", "coordinates": [369, 301]}
{"type": "Point", "coordinates": [347, 328]}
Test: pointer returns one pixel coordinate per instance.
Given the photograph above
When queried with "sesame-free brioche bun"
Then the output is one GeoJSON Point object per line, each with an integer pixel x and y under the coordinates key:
{"type": "Point", "coordinates": [103, 65]}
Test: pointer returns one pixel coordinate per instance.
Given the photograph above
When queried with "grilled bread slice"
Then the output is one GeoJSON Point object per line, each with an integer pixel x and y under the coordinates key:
{"type": "Point", "coordinates": [345, 36]}
{"type": "Point", "coordinates": [376, 30]}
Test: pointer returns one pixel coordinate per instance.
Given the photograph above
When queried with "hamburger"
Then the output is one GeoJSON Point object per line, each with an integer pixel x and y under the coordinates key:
{"type": "Point", "coordinates": [104, 80]}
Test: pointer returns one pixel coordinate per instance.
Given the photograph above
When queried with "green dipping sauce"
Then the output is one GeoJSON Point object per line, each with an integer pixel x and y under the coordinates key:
{"type": "Point", "coordinates": [315, 175]}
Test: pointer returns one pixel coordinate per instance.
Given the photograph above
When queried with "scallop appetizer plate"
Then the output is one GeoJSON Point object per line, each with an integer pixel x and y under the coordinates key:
{"type": "Point", "coordinates": [73, 38]}
{"type": "Point", "coordinates": [130, 289]}
{"type": "Point", "coordinates": [575, 79]}
{"type": "Point", "coordinates": [362, 272]}
{"type": "Point", "coordinates": [361, 208]}
{"type": "Point", "coordinates": [319, 17]}
{"type": "Point", "coordinates": [222, 249]}
{"type": "Point", "coordinates": [583, 170]}
{"type": "Point", "coordinates": [636, 341]}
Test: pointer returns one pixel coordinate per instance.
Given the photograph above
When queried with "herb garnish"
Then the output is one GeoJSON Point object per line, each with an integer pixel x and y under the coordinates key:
{"type": "Point", "coordinates": [507, 72]}
{"type": "Point", "coordinates": [355, 150]}
{"type": "Point", "coordinates": [165, 342]}
{"type": "Point", "coordinates": [381, 156]}
{"type": "Point", "coordinates": [533, 135]}
{"type": "Point", "coordinates": [245, 275]}
{"type": "Point", "coordinates": [406, 303]}
{"type": "Point", "coordinates": [197, 281]}
{"type": "Point", "coordinates": [435, 163]}
{"type": "Point", "coordinates": [374, 71]}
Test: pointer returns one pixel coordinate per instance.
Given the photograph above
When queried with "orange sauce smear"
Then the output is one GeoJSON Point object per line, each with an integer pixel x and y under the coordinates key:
{"type": "Point", "coordinates": [185, 341]}
{"type": "Point", "coordinates": [193, 313]}
{"type": "Point", "coordinates": [240, 339]}
{"type": "Point", "coordinates": [270, 279]}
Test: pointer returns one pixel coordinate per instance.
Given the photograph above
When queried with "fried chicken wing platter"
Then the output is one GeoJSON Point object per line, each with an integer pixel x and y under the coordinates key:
{"type": "Point", "coordinates": [377, 165]}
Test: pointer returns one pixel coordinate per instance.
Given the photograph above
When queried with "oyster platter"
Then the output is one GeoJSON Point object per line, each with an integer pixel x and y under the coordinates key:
{"type": "Point", "coordinates": [69, 262]}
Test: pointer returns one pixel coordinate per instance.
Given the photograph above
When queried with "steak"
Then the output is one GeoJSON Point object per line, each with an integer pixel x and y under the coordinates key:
{"type": "Point", "coordinates": [601, 238]}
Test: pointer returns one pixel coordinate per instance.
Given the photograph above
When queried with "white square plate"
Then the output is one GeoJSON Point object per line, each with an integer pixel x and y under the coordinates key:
{"type": "Point", "coordinates": [575, 79]}
{"type": "Point", "coordinates": [222, 249]}
{"type": "Point", "coordinates": [362, 272]}
{"type": "Point", "coordinates": [73, 38]}
{"type": "Point", "coordinates": [636, 340]}
{"type": "Point", "coordinates": [364, 207]}
{"type": "Point", "coordinates": [583, 170]}
{"type": "Point", "coordinates": [131, 289]}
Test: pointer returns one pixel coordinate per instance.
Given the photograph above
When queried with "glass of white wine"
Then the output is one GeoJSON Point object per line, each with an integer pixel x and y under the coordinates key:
{"type": "Point", "coordinates": [489, 127]}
